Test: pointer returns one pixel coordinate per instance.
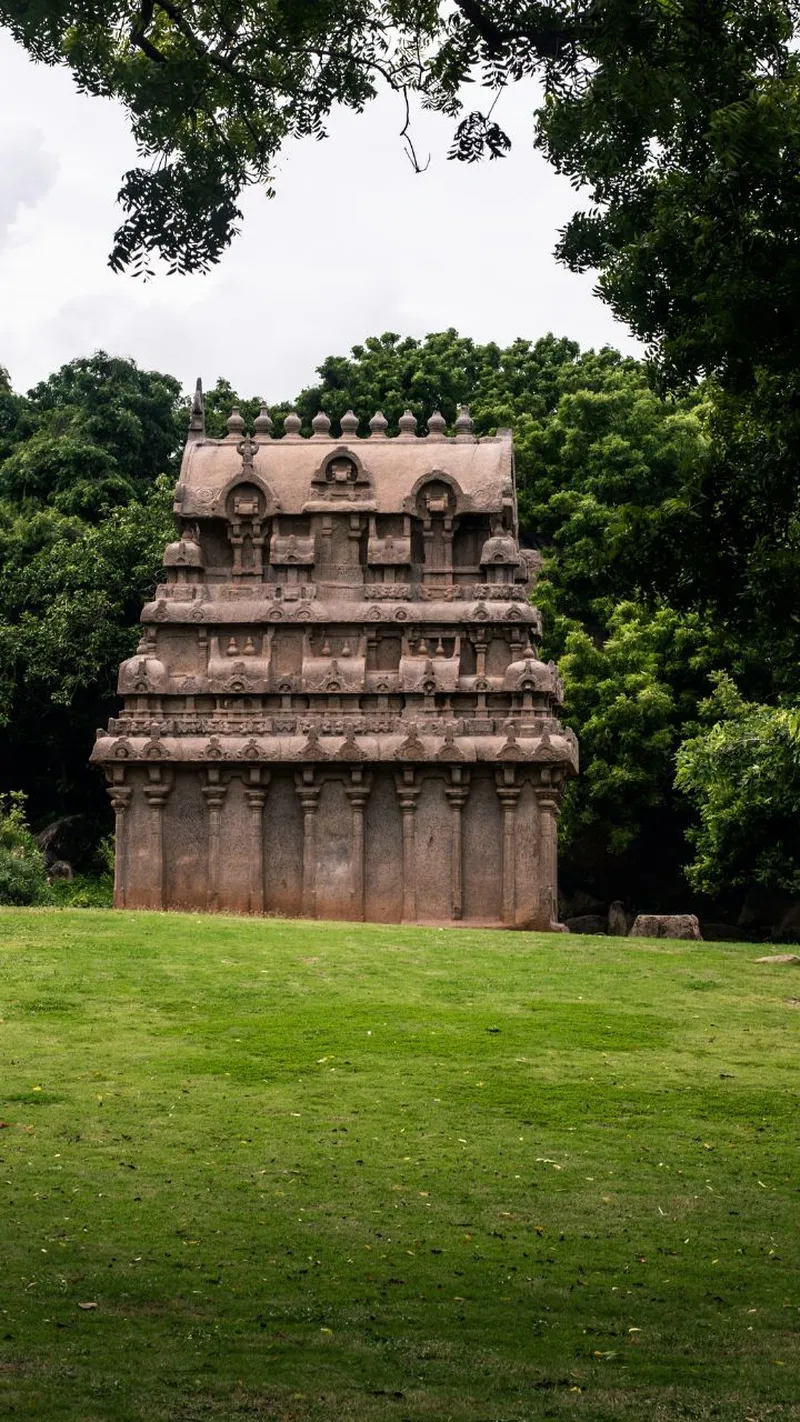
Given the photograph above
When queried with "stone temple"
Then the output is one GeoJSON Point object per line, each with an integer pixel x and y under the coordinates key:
{"type": "Point", "coordinates": [337, 709]}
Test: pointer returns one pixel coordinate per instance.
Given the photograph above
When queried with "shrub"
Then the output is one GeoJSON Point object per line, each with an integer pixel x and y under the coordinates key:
{"type": "Point", "coordinates": [22, 876]}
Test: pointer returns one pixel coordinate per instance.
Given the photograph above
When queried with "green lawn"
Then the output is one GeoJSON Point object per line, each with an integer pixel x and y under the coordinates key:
{"type": "Point", "coordinates": [319, 1171]}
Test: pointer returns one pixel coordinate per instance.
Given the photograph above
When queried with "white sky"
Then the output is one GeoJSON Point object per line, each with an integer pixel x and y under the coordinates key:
{"type": "Point", "coordinates": [354, 244]}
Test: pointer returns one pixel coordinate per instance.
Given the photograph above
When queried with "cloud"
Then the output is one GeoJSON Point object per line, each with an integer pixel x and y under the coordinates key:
{"type": "Point", "coordinates": [28, 171]}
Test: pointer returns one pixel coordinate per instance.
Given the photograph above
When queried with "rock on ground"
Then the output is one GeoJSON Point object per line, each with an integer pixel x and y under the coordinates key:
{"type": "Point", "coordinates": [666, 925]}
{"type": "Point", "coordinates": [618, 921]}
{"type": "Point", "coordinates": [587, 923]}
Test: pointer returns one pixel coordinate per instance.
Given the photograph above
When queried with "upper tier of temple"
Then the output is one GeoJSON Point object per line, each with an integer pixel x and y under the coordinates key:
{"type": "Point", "coordinates": [379, 473]}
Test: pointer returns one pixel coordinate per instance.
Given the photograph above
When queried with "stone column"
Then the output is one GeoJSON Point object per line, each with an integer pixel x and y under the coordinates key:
{"type": "Point", "coordinates": [408, 793]}
{"type": "Point", "coordinates": [214, 793]}
{"type": "Point", "coordinates": [508, 795]}
{"type": "Point", "coordinates": [308, 791]}
{"type": "Point", "coordinates": [256, 793]}
{"type": "Point", "coordinates": [357, 793]}
{"type": "Point", "coordinates": [156, 791]}
{"type": "Point", "coordinates": [120, 796]}
{"type": "Point", "coordinates": [548, 798]}
{"type": "Point", "coordinates": [457, 793]}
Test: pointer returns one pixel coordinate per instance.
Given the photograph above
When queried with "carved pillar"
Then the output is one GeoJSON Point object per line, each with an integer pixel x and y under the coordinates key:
{"type": "Point", "coordinates": [308, 792]}
{"type": "Point", "coordinates": [508, 795]}
{"type": "Point", "coordinates": [548, 797]}
{"type": "Point", "coordinates": [155, 792]}
{"type": "Point", "coordinates": [214, 793]}
{"type": "Point", "coordinates": [357, 793]}
{"type": "Point", "coordinates": [408, 793]}
{"type": "Point", "coordinates": [457, 793]}
{"type": "Point", "coordinates": [120, 796]}
{"type": "Point", "coordinates": [256, 793]}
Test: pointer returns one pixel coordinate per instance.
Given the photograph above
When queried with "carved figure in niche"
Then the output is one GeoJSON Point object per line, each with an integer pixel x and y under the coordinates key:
{"type": "Point", "coordinates": [389, 554]}
{"type": "Point", "coordinates": [436, 505]}
{"type": "Point", "coordinates": [292, 558]}
{"type": "Point", "coordinates": [341, 476]}
{"type": "Point", "coordinates": [246, 508]}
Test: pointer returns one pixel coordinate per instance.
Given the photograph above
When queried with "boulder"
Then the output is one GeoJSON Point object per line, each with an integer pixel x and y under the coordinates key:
{"type": "Point", "coordinates": [722, 933]}
{"type": "Point", "coordinates": [588, 923]}
{"type": "Point", "coordinates": [60, 869]}
{"type": "Point", "coordinates": [765, 908]}
{"type": "Point", "coordinates": [618, 921]}
{"type": "Point", "coordinates": [69, 838]}
{"type": "Point", "coordinates": [666, 925]}
{"type": "Point", "coordinates": [579, 904]}
{"type": "Point", "coordinates": [788, 929]}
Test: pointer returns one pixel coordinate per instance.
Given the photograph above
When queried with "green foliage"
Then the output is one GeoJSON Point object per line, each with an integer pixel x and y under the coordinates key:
{"type": "Point", "coordinates": [742, 775]}
{"type": "Point", "coordinates": [84, 891]}
{"type": "Point", "coordinates": [85, 512]}
{"type": "Point", "coordinates": [98, 433]}
{"type": "Point", "coordinates": [22, 876]}
{"type": "Point", "coordinates": [631, 691]}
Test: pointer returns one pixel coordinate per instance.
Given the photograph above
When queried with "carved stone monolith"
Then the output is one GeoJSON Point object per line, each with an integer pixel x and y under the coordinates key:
{"type": "Point", "coordinates": [337, 708]}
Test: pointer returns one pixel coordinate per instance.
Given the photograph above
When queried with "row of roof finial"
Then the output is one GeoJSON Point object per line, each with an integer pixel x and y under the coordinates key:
{"type": "Point", "coordinates": [321, 424]}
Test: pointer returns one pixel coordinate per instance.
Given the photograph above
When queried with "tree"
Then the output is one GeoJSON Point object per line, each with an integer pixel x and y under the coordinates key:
{"type": "Point", "coordinates": [678, 116]}
{"type": "Point", "coordinates": [742, 775]}
{"type": "Point", "coordinates": [85, 511]}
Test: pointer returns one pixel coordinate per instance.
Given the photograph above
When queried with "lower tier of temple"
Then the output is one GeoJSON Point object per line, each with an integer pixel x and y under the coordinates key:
{"type": "Point", "coordinates": [382, 843]}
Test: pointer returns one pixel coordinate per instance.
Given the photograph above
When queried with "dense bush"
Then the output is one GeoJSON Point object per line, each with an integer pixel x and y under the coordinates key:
{"type": "Point", "coordinates": [22, 874]}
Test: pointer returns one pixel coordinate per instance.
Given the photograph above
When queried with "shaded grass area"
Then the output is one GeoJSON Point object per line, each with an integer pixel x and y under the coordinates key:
{"type": "Point", "coordinates": [325, 1171]}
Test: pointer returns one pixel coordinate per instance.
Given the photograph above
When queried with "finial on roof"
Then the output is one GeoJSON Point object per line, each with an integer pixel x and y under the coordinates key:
{"type": "Point", "coordinates": [436, 425]}
{"type": "Point", "coordinates": [378, 425]}
{"type": "Point", "coordinates": [292, 425]}
{"type": "Point", "coordinates": [407, 425]}
{"type": "Point", "coordinates": [464, 425]}
{"type": "Point", "coordinates": [197, 418]}
{"type": "Point", "coordinates": [321, 426]}
{"type": "Point", "coordinates": [262, 423]}
{"type": "Point", "coordinates": [349, 425]}
{"type": "Point", "coordinates": [235, 424]}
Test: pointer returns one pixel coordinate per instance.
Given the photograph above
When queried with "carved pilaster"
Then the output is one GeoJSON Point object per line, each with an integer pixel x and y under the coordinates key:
{"type": "Point", "coordinates": [156, 791]}
{"type": "Point", "coordinates": [308, 791]}
{"type": "Point", "coordinates": [256, 794]}
{"type": "Point", "coordinates": [357, 793]}
{"type": "Point", "coordinates": [548, 791]}
{"type": "Point", "coordinates": [214, 792]}
{"type": "Point", "coordinates": [408, 791]}
{"type": "Point", "coordinates": [508, 795]}
{"type": "Point", "coordinates": [457, 792]}
{"type": "Point", "coordinates": [120, 796]}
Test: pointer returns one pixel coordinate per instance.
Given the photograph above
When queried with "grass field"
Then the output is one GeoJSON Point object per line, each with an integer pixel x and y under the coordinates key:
{"type": "Point", "coordinates": [274, 1170]}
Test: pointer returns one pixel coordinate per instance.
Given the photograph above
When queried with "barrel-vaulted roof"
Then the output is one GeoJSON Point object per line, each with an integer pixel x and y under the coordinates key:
{"type": "Point", "coordinates": [391, 472]}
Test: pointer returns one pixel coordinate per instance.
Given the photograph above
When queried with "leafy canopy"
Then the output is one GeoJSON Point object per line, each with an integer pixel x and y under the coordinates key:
{"type": "Point", "coordinates": [680, 118]}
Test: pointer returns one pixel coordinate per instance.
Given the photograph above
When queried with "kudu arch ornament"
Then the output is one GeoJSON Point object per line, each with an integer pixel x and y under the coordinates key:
{"type": "Point", "coordinates": [337, 708]}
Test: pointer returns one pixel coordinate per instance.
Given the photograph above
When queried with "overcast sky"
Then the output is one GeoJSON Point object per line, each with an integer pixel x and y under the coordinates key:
{"type": "Point", "coordinates": [354, 244]}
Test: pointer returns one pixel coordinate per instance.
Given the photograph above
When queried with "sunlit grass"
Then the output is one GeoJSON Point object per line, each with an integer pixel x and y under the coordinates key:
{"type": "Point", "coordinates": [323, 1171]}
